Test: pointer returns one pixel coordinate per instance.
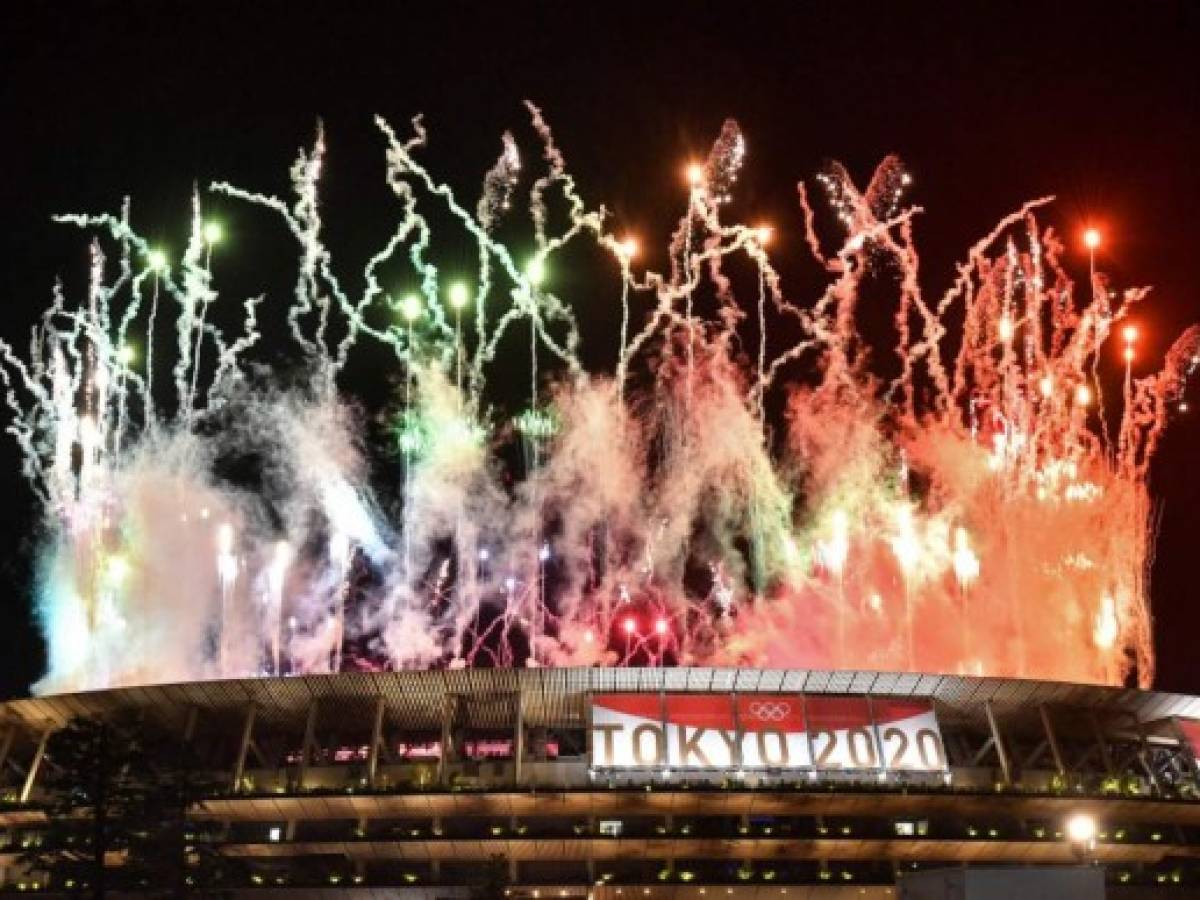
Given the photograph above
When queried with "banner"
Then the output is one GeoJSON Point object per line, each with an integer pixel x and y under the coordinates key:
{"type": "Point", "coordinates": [1190, 729]}
{"type": "Point", "coordinates": [842, 733]}
{"type": "Point", "coordinates": [773, 731]}
{"type": "Point", "coordinates": [764, 731]}
{"type": "Point", "coordinates": [909, 736]}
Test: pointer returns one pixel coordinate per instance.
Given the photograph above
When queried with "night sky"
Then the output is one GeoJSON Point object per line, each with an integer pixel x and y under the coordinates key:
{"type": "Point", "coordinates": [988, 104]}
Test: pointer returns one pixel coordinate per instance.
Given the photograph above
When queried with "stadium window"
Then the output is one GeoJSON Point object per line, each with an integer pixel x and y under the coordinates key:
{"type": "Point", "coordinates": [274, 833]}
{"type": "Point", "coordinates": [611, 827]}
{"type": "Point", "coordinates": [906, 829]}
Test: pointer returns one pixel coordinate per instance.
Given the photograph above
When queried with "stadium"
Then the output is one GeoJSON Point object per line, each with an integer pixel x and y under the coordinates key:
{"type": "Point", "coordinates": [657, 782]}
{"type": "Point", "coordinates": [654, 635]}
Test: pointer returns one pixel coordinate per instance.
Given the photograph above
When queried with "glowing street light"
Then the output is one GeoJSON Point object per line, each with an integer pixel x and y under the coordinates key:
{"type": "Point", "coordinates": [660, 627]}
{"type": "Point", "coordinates": [1081, 832]}
{"type": "Point", "coordinates": [213, 233]}
{"type": "Point", "coordinates": [629, 625]}
{"type": "Point", "coordinates": [1006, 329]}
{"type": "Point", "coordinates": [126, 355]}
{"type": "Point", "coordinates": [1083, 395]}
{"type": "Point", "coordinates": [695, 174]}
{"type": "Point", "coordinates": [1091, 238]}
{"type": "Point", "coordinates": [1130, 333]}
{"type": "Point", "coordinates": [763, 234]}
{"type": "Point", "coordinates": [628, 248]}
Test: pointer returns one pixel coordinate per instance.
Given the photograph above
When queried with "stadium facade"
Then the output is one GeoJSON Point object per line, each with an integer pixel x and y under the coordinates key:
{"type": "Point", "coordinates": [666, 784]}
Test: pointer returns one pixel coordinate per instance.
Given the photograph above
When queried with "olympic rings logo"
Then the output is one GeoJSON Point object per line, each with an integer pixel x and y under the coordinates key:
{"type": "Point", "coordinates": [770, 710]}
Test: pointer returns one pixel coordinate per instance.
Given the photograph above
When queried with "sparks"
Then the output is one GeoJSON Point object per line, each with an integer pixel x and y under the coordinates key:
{"type": "Point", "coordinates": [796, 510]}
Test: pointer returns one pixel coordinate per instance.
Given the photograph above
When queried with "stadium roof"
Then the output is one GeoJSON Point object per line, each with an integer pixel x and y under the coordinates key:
{"type": "Point", "coordinates": [555, 697]}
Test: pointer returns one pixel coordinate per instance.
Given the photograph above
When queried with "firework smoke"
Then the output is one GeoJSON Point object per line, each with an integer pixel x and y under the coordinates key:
{"type": "Point", "coordinates": [970, 515]}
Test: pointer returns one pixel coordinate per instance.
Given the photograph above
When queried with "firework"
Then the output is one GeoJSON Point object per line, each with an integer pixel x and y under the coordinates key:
{"type": "Point", "coordinates": [970, 515]}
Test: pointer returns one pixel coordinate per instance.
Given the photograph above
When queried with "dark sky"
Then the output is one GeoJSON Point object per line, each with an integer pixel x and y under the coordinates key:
{"type": "Point", "coordinates": [988, 103]}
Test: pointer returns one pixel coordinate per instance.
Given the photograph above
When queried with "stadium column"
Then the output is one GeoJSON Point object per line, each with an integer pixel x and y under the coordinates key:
{"type": "Point", "coordinates": [35, 766]}
{"type": "Point", "coordinates": [189, 725]}
{"type": "Point", "coordinates": [1144, 755]}
{"type": "Point", "coordinates": [6, 746]}
{"type": "Point", "coordinates": [239, 767]}
{"type": "Point", "coordinates": [376, 741]}
{"type": "Point", "coordinates": [1052, 740]}
{"type": "Point", "coordinates": [1101, 743]}
{"type": "Point", "coordinates": [519, 737]}
{"type": "Point", "coordinates": [998, 742]}
{"type": "Point", "coordinates": [307, 745]}
{"type": "Point", "coordinates": [445, 749]}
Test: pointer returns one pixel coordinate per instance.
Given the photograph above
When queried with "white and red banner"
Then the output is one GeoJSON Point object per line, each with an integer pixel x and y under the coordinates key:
{"type": "Point", "coordinates": [909, 736]}
{"type": "Point", "coordinates": [764, 731]}
{"type": "Point", "coordinates": [1190, 729]}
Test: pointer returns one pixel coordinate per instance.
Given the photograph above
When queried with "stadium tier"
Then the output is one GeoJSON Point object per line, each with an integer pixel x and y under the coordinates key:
{"type": "Point", "coordinates": [659, 783]}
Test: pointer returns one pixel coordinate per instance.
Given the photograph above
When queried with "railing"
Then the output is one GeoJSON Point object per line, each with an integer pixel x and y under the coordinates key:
{"type": "Point", "coordinates": [575, 775]}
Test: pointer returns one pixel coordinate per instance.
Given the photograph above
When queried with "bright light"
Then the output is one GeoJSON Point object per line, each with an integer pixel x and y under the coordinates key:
{"type": "Point", "coordinates": [1130, 333]}
{"type": "Point", "coordinates": [460, 296]}
{"type": "Point", "coordinates": [628, 248]}
{"type": "Point", "coordinates": [834, 549]}
{"type": "Point", "coordinates": [1081, 829]}
{"type": "Point", "coordinates": [1083, 395]}
{"type": "Point", "coordinates": [410, 307]}
{"type": "Point", "coordinates": [695, 174]}
{"type": "Point", "coordinates": [1047, 386]}
{"type": "Point", "coordinates": [117, 569]}
{"type": "Point", "coordinates": [225, 539]}
{"type": "Point", "coordinates": [157, 260]}
{"type": "Point", "coordinates": [213, 233]}
{"type": "Point", "coordinates": [1107, 629]}
{"type": "Point", "coordinates": [763, 233]}
{"type": "Point", "coordinates": [629, 625]}
{"type": "Point", "coordinates": [1006, 329]}
{"type": "Point", "coordinates": [126, 355]}
{"type": "Point", "coordinates": [660, 626]}
{"type": "Point", "coordinates": [536, 271]}
{"type": "Point", "coordinates": [1128, 354]}
{"type": "Point", "coordinates": [274, 834]}
{"type": "Point", "coordinates": [1091, 238]}
{"type": "Point", "coordinates": [905, 545]}
{"type": "Point", "coordinates": [966, 563]}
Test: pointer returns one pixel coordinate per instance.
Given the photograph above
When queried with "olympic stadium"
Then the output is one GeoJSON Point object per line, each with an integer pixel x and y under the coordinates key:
{"type": "Point", "coordinates": [664, 783]}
